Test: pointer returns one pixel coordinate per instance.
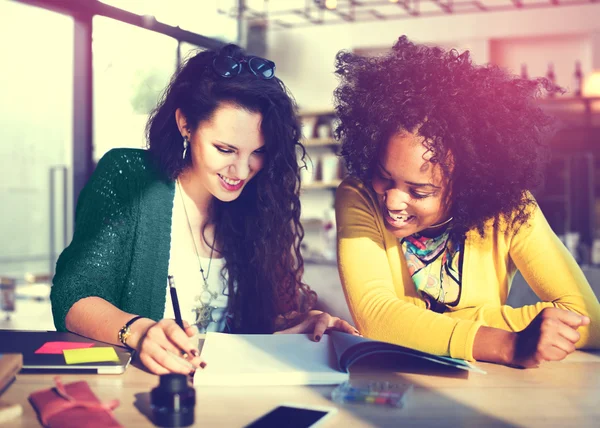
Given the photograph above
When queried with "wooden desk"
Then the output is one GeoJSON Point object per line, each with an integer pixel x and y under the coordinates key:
{"type": "Point", "coordinates": [558, 394]}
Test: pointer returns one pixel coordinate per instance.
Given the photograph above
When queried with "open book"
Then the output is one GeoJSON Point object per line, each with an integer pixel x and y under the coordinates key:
{"type": "Point", "coordinates": [294, 359]}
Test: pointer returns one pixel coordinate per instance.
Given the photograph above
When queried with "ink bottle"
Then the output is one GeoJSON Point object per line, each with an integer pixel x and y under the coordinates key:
{"type": "Point", "coordinates": [173, 401]}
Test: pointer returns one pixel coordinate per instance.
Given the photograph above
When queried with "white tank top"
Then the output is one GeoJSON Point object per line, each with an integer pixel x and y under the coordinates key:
{"type": "Point", "coordinates": [183, 266]}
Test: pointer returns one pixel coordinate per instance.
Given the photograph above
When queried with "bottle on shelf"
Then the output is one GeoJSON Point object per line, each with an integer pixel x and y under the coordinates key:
{"type": "Point", "coordinates": [577, 80]}
{"type": "Point", "coordinates": [551, 76]}
{"type": "Point", "coordinates": [330, 168]}
{"type": "Point", "coordinates": [595, 256]}
{"type": "Point", "coordinates": [329, 234]}
{"type": "Point", "coordinates": [524, 73]}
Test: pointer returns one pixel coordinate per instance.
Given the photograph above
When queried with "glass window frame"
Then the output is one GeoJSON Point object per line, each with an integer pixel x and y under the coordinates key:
{"type": "Point", "coordinates": [83, 14]}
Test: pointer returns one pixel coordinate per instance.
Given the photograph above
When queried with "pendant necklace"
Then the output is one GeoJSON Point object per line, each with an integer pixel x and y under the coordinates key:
{"type": "Point", "coordinates": [204, 308]}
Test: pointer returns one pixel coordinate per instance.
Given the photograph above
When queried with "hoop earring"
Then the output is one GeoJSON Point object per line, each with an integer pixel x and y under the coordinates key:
{"type": "Point", "coordinates": [186, 144]}
{"type": "Point", "coordinates": [442, 223]}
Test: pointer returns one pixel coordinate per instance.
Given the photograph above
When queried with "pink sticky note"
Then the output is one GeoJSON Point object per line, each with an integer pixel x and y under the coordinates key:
{"type": "Point", "coordinates": [58, 347]}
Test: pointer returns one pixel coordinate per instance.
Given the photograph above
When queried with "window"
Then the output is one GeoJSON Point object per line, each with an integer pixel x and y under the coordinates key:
{"type": "Point", "coordinates": [197, 16]}
{"type": "Point", "coordinates": [187, 50]}
{"type": "Point", "coordinates": [36, 109]}
{"type": "Point", "coordinates": [131, 68]}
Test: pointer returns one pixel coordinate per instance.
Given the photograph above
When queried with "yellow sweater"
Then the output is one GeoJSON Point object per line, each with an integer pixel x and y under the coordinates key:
{"type": "Point", "coordinates": [385, 305]}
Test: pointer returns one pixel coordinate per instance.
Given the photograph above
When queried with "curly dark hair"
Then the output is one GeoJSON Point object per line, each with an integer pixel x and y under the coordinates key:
{"type": "Point", "coordinates": [481, 124]}
{"type": "Point", "coordinates": [259, 233]}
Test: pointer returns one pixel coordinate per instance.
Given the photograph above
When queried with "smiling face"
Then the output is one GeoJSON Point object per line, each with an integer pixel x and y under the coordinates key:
{"type": "Point", "coordinates": [411, 189]}
{"type": "Point", "coordinates": [227, 150]}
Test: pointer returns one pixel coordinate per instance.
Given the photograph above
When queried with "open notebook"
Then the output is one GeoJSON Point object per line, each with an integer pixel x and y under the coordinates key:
{"type": "Point", "coordinates": [294, 359]}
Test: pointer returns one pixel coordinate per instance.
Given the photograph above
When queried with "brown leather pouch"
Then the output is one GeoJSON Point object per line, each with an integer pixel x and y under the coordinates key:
{"type": "Point", "coordinates": [73, 405]}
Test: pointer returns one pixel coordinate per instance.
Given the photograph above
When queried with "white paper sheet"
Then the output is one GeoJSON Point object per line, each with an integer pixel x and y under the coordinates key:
{"type": "Point", "coordinates": [273, 359]}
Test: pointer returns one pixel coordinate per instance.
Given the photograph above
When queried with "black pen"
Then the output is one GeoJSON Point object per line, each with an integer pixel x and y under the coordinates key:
{"type": "Point", "coordinates": [175, 302]}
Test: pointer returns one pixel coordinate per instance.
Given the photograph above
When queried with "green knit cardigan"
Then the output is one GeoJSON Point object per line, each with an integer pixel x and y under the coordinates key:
{"type": "Point", "coordinates": [120, 248]}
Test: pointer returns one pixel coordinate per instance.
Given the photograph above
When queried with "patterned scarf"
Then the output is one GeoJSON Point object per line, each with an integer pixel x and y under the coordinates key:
{"type": "Point", "coordinates": [435, 265]}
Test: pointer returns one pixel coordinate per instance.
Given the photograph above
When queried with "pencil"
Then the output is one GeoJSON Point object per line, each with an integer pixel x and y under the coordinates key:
{"type": "Point", "coordinates": [175, 302]}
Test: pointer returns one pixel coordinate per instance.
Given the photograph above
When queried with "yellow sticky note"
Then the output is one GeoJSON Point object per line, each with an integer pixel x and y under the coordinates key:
{"type": "Point", "coordinates": [90, 355]}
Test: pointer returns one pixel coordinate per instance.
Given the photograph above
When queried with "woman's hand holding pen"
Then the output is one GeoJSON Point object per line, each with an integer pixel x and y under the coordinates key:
{"type": "Point", "coordinates": [164, 347]}
{"type": "Point", "coordinates": [317, 323]}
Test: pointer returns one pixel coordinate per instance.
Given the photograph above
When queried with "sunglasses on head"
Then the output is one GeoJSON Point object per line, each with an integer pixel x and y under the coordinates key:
{"type": "Point", "coordinates": [228, 67]}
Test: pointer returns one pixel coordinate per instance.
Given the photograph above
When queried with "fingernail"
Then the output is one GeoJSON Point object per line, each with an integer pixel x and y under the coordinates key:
{"type": "Point", "coordinates": [202, 364]}
{"type": "Point", "coordinates": [192, 372]}
{"type": "Point", "coordinates": [317, 338]}
{"type": "Point", "coordinates": [195, 352]}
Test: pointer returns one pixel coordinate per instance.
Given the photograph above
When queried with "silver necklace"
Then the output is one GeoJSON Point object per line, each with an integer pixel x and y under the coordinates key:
{"type": "Point", "coordinates": [204, 309]}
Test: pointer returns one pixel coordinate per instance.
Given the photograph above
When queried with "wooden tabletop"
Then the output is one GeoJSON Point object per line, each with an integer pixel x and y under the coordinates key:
{"type": "Point", "coordinates": [562, 394]}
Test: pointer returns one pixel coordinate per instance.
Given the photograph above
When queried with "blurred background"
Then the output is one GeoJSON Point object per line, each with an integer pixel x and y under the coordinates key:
{"type": "Point", "coordinates": [79, 77]}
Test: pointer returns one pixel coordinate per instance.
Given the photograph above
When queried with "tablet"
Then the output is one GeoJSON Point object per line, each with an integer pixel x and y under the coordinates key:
{"type": "Point", "coordinates": [27, 342]}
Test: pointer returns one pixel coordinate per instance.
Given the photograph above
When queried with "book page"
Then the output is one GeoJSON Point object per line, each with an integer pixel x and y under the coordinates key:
{"type": "Point", "coordinates": [268, 359]}
{"type": "Point", "coordinates": [350, 349]}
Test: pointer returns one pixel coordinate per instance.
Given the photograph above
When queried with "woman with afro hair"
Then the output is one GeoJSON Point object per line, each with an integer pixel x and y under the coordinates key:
{"type": "Point", "coordinates": [436, 215]}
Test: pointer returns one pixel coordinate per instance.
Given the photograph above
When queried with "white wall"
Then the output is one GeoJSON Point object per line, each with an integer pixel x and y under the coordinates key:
{"type": "Point", "coordinates": [305, 56]}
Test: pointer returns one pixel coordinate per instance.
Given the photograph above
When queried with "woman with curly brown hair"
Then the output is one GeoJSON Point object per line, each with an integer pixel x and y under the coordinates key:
{"type": "Point", "coordinates": [212, 205]}
{"type": "Point", "coordinates": [437, 215]}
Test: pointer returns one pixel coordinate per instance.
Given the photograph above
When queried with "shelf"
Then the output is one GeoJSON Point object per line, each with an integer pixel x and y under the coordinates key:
{"type": "Point", "coordinates": [312, 222]}
{"type": "Point", "coordinates": [320, 142]}
{"type": "Point", "coordinates": [319, 261]}
{"type": "Point", "coordinates": [553, 199]}
{"type": "Point", "coordinates": [567, 100]}
{"type": "Point", "coordinates": [321, 185]}
{"type": "Point", "coordinates": [316, 113]}
{"type": "Point", "coordinates": [575, 113]}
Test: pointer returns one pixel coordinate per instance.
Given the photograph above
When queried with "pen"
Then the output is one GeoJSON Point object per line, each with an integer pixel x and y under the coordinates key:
{"type": "Point", "coordinates": [175, 302]}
